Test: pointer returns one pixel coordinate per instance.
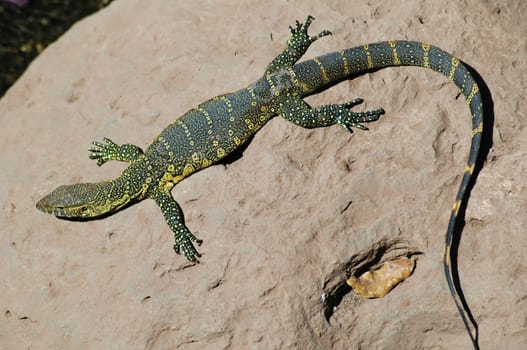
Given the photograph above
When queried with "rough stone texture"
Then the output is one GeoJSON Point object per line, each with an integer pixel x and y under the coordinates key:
{"type": "Point", "coordinates": [280, 222]}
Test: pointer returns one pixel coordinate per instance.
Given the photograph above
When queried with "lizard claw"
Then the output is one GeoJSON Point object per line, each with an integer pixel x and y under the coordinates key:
{"type": "Point", "coordinates": [348, 119]}
{"type": "Point", "coordinates": [184, 239]}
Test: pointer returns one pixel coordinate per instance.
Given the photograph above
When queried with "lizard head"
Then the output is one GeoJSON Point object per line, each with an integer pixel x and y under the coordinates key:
{"type": "Point", "coordinates": [83, 201]}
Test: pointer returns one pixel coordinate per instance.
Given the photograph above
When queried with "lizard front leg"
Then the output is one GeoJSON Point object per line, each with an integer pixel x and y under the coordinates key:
{"type": "Point", "coordinates": [175, 220]}
{"type": "Point", "coordinates": [109, 150]}
{"type": "Point", "coordinates": [297, 45]}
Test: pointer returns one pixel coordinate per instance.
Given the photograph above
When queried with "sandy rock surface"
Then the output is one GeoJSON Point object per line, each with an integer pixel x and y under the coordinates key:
{"type": "Point", "coordinates": [280, 224]}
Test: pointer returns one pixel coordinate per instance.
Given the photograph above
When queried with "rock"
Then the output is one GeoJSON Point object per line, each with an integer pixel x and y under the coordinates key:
{"type": "Point", "coordinates": [299, 203]}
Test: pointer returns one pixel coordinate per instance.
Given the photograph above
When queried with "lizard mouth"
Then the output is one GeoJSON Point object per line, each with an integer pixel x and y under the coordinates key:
{"type": "Point", "coordinates": [46, 206]}
{"type": "Point", "coordinates": [58, 211]}
{"type": "Point", "coordinates": [71, 201]}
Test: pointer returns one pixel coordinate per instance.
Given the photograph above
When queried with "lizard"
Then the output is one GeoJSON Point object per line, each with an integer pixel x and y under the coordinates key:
{"type": "Point", "coordinates": [209, 132]}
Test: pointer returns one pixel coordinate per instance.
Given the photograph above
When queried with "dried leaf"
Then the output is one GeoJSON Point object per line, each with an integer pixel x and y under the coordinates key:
{"type": "Point", "coordinates": [379, 282]}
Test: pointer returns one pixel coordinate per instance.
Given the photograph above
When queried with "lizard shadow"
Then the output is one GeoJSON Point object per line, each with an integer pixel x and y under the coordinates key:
{"type": "Point", "coordinates": [236, 154]}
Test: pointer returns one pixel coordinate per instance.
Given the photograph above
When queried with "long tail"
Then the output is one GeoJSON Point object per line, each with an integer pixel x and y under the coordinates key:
{"type": "Point", "coordinates": [337, 66]}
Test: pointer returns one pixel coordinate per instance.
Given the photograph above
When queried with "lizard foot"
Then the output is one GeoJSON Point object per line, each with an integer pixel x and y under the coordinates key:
{"type": "Point", "coordinates": [348, 119]}
{"type": "Point", "coordinates": [300, 39]}
{"type": "Point", "coordinates": [103, 152]}
{"type": "Point", "coordinates": [184, 239]}
{"type": "Point", "coordinates": [109, 150]}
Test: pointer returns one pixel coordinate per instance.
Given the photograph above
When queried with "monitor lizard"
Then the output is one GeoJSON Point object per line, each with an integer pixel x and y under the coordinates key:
{"type": "Point", "coordinates": [212, 130]}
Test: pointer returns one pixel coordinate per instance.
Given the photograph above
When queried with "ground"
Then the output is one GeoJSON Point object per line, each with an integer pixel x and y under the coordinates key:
{"type": "Point", "coordinates": [280, 223]}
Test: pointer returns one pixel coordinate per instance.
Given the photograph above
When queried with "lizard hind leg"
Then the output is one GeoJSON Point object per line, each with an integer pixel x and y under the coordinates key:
{"type": "Point", "coordinates": [299, 112]}
{"type": "Point", "coordinates": [109, 150]}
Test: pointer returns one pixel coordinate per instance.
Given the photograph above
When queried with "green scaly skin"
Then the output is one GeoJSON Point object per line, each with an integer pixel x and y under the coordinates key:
{"type": "Point", "coordinates": [212, 130]}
